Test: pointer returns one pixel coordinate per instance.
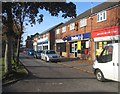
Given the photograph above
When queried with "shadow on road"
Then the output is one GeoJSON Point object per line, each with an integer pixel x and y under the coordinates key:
{"type": "Point", "coordinates": [34, 77]}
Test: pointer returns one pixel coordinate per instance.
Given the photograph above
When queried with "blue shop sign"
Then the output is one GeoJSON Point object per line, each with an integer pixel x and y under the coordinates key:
{"type": "Point", "coordinates": [75, 37]}
{"type": "Point", "coordinates": [79, 37]}
{"type": "Point", "coordinates": [44, 42]}
{"type": "Point", "coordinates": [86, 35]}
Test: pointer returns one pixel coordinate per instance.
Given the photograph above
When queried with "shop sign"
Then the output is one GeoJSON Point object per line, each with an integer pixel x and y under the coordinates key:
{"type": "Point", "coordinates": [43, 42]}
{"type": "Point", "coordinates": [79, 37]}
{"type": "Point", "coordinates": [110, 31]}
{"type": "Point", "coordinates": [86, 35]}
{"type": "Point", "coordinates": [60, 41]}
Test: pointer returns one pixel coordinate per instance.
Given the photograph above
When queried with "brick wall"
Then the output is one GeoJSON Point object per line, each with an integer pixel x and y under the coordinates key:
{"type": "Point", "coordinates": [112, 17]}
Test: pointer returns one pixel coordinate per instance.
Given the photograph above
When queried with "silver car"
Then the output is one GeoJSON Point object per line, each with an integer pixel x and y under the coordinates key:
{"type": "Point", "coordinates": [50, 55]}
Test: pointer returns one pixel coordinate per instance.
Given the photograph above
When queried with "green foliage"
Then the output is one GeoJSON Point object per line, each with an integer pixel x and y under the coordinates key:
{"type": "Point", "coordinates": [19, 13]}
{"type": "Point", "coordinates": [29, 11]}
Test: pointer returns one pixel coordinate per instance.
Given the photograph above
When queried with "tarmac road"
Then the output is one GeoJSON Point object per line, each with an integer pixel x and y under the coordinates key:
{"type": "Point", "coordinates": [55, 77]}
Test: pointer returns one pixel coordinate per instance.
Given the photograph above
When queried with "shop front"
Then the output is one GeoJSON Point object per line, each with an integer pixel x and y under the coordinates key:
{"type": "Point", "coordinates": [78, 45]}
{"type": "Point", "coordinates": [43, 44]}
{"type": "Point", "coordinates": [61, 47]}
{"type": "Point", "coordinates": [105, 36]}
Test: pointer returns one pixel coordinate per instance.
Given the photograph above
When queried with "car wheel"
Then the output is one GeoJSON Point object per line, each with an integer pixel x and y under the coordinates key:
{"type": "Point", "coordinates": [36, 57]}
{"type": "Point", "coordinates": [46, 59]}
{"type": "Point", "coordinates": [99, 76]}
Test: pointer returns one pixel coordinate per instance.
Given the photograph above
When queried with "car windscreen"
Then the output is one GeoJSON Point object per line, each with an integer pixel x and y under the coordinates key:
{"type": "Point", "coordinates": [50, 52]}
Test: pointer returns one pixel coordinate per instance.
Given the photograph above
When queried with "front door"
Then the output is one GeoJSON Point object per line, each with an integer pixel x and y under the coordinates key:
{"type": "Point", "coordinates": [75, 49]}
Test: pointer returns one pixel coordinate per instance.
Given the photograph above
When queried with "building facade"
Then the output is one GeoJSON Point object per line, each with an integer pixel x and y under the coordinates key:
{"type": "Point", "coordinates": [79, 36]}
{"type": "Point", "coordinates": [45, 40]}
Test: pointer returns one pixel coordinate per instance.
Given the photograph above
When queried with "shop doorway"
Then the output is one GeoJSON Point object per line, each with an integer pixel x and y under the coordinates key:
{"type": "Point", "coordinates": [75, 51]}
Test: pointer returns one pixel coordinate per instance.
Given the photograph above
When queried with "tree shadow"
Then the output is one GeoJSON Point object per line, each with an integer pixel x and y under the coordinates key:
{"type": "Point", "coordinates": [34, 77]}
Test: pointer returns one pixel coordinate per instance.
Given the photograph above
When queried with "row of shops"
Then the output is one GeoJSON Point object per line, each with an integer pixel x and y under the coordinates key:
{"type": "Point", "coordinates": [87, 44]}
{"type": "Point", "coordinates": [84, 36]}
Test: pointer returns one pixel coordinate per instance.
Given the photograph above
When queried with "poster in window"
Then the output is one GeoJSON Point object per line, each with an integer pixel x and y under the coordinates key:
{"type": "Point", "coordinates": [100, 45]}
{"type": "Point", "coordinates": [79, 45]}
{"type": "Point", "coordinates": [87, 44]}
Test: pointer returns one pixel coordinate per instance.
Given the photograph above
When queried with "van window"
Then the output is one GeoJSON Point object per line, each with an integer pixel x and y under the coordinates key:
{"type": "Point", "coordinates": [106, 55]}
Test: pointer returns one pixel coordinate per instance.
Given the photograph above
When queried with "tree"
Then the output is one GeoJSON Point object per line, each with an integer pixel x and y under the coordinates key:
{"type": "Point", "coordinates": [28, 13]}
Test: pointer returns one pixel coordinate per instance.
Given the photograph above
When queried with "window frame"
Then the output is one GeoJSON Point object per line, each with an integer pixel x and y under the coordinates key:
{"type": "Point", "coordinates": [72, 26]}
{"type": "Point", "coordinates": [102, 16]}
{"type": "Point", "coordinates": [57, 31]}
{"type": "Point", "coordinates": [83, 22]}
{"type": "Point", "coordinates": [63, 29]}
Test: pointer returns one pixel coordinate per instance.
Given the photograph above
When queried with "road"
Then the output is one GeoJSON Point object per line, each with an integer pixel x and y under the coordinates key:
{"type": "Point", "coordinates": [55, 77]}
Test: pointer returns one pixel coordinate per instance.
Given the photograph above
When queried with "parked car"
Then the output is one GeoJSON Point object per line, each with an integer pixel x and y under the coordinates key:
{"type": "Point", "coordinates": [30, 52]}
{"type": "Point", "coordinates": [107, 65]}
{"type": "Point", "coordinates": [50, 55]}
{"type": "Point", "coordinates": [37, 54]}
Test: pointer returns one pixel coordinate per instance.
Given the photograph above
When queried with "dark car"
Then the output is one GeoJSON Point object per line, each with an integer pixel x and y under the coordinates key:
{"type": "Point", "coordinates": [37, 54]}
{"type": "Point", "coordinates": [30, 51]}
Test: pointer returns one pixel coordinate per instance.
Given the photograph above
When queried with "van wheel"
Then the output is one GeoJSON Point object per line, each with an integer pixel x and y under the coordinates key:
{"type": "Point", "coordinates": [99, 76]}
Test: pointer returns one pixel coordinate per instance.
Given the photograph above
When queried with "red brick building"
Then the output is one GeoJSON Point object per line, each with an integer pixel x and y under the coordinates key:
{"type": "Point", "coordinates": [78, 36]}
{"type": "Point", "coordinates": [45, 40]}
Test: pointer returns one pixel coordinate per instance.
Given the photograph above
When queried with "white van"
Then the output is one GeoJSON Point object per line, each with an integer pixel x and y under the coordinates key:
{"type": "Point", "coordinates": [107, 65]}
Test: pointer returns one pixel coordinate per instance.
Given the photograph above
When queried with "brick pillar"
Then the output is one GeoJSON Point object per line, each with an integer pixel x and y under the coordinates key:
{"type": "Point", "coordinates": [67, 49]}
{"type": "Point", "coordinates": [92, 50]}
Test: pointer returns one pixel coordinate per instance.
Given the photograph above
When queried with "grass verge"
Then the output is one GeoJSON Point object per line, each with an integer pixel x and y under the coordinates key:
{"type": "Point", "coordinates": [17, 73]}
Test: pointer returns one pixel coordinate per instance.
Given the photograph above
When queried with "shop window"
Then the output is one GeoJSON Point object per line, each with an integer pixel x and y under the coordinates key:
{"type": "Point", "coordinates": [100, 46]}
{"type": "Point", "coordinates": [40, 48]}
{"type": "Point", "coordinates": [101, 16]}
{"type": "Point", "coordinates": [45, 47]}
{"type": "Point", "coordinates": [61, 47]}
{"type": "Point", "coordinates": [72, 47]}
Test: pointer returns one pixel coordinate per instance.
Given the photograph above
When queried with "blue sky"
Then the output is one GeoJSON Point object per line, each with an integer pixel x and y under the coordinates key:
{"type": "Point", "coordinates": [50, 21]}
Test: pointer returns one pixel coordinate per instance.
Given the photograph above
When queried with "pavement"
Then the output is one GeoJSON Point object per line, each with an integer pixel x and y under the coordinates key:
{"type": "Point", "coordinates": [80, 64]}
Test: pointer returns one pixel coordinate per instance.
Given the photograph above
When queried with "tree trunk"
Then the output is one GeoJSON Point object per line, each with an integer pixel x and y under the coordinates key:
{"type": "Point", "coordinates": [18, 49]}
{"type": "Point", "coordinates": [6, 63]}
{"type": "Point", "coordinates": [8, 55]}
